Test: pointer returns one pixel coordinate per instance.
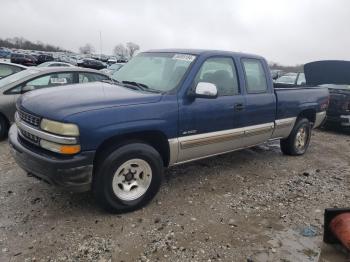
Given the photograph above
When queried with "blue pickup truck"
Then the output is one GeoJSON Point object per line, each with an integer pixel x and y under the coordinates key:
{"type": "Point", "coordinates": [164, 107]}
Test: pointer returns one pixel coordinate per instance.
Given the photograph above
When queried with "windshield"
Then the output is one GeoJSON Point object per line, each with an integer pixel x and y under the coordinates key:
{"type": "Point", "coordinates": [115, 66]}
{"type": "Point", "coordinates": [158, 71]}
{"type": "Point", "coordinates": [287, 79]}
{"type": "Point", "coordinates": [15, 77]}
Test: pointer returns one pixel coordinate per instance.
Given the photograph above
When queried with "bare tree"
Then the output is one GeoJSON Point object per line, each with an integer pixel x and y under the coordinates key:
{"type": "Point", "coordinates": [86, 49]}
{"type": "Point", "coordinates": [121, 51]}
{"type": "Point", "coordinates": [132, 48]}
{"type": "Point", "coordinates": [22, 43]}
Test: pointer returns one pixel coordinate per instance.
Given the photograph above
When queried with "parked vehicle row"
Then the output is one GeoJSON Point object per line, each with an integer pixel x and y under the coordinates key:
{"type": "Point", "coordinates": [23, 59]}
{"type": "Point", "coordinates": [5, 53]}
{"type": "Point", "coordinates": [164, 108]}
{"type": "Point", "coordinates": [34, 78]}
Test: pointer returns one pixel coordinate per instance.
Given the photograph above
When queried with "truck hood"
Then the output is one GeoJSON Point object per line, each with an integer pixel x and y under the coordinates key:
{"type": "Point", "coordinates": [335, 72]}
{"type": "Point", "coordinates": [59, 102]}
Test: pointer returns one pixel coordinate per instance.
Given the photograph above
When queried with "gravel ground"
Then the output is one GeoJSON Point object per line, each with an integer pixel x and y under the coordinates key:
{"type": "Point", "coordinates": [250, 205]}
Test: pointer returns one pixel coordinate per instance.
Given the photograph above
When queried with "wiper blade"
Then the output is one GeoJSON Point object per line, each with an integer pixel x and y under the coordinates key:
{"type": "Point", "coordinates": [141, 86]}
{"type": "Point", "coordinates": [109, 81]}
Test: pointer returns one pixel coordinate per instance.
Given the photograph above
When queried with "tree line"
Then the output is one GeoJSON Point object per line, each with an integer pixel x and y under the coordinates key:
{"type": "Point", "coordinates": [22, 43]}
{"type": "Point", "coordinates": [122, 51]}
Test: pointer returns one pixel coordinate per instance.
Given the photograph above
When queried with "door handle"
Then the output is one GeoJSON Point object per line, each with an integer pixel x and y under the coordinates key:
{"type": "Point", "coordinates": [239, 107]}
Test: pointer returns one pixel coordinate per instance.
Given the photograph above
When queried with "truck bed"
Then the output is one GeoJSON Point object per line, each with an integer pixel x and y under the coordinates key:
{"type": "Point", "coordinates": [291, 99]}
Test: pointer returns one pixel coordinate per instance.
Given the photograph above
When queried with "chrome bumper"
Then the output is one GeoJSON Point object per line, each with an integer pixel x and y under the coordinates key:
{"type": "Point", "coordinates": [345, 120]}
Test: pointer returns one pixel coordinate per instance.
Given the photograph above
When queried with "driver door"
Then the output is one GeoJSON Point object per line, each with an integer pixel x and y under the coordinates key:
{"type": "Point", "coordinates": [211, 126]}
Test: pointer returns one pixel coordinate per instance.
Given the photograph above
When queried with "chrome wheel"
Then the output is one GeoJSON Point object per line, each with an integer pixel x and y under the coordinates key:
{"type": "Point", "coordinates": [132, 179]}
{"type": "Point", "coordinates": [301, 139]}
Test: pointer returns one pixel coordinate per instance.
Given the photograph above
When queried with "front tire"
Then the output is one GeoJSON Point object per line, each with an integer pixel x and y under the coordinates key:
{"type": "Point", "coordinates": [298, 141]}
{"type": "Point", "coordinates": [3, 128]}
{"type": "Point", "coordinates": [128, 178]}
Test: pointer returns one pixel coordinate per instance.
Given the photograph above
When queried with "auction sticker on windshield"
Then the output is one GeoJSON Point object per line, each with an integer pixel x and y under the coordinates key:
{"type": "Point", "coordinates": [184, 57]}
{"type": "Point", "coordinates": [60, 81]}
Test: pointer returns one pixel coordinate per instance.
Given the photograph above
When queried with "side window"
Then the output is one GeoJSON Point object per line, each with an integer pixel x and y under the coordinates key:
{"type": "Point", "coordinates": [55, 79]}
{"type": "Point", "coordinates": [255, 76]}
{"type": "Point", "coordinates": [220, 71]}
{"type": "Point", "coordinates": [39, 82]}
{"type": "Point", "coordinates": [91, 77]}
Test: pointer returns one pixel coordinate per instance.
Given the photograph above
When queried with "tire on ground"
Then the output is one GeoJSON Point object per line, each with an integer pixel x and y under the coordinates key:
{"type": "Point", "coordinates": [289, 145]}
{"type": "Point", "coordinates": [105, 171]}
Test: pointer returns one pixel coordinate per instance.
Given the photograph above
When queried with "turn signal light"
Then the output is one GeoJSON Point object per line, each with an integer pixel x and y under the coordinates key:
{"type": "Point", "coordinates": [70, 150]}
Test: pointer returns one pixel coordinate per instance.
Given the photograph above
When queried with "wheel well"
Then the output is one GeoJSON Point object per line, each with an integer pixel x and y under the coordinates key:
{"type": "Point", "coordinates": [155, 139]}
{"type": "Point", "coordinates": [309, 114]}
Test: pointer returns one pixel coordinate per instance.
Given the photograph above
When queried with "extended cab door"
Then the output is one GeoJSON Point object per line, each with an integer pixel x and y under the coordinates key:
{"type": "Point", "coordinates": [260, 102]}
{"type": "Point", "coordinates": [211, 126]}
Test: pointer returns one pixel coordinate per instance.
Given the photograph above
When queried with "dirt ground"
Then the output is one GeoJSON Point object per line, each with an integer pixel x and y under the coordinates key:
{"type": "Point", "coordinates": [250, 205]}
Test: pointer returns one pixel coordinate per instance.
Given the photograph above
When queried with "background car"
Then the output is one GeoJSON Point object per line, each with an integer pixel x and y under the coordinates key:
{"type": "Point", "coordinates": [55, 64]}
{"type": "Point", "coordinates": [112, 68]}
{"type": "Point", "coordinates": [276, 73]}
{"type": "Point", "coordinates": [34, 78]}
{"type": "Point", "coordinates": [7, 69]}
{"type": "Point", "coordinates": [5, 53]}
{"type": "Point", "coordinates": [22, 59]}
{"type": "Point", "coordinates": [44, 58]}
{"type": "Point", "coordinates": [91, 63]}
{"type": "Point", "coordinates": [335, 76]}
{"type": "Point", "coordinates": [295, 79]}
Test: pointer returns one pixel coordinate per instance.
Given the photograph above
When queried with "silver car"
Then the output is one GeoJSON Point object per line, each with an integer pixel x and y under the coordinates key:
{"type": "Point", "coordinates": [34, 78]}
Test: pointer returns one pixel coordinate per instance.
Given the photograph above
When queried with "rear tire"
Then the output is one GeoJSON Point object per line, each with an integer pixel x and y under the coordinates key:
{"type": "Point", "coordinates": [298, 141]}
{"type": "Point", "coordinates": [128, 178]}
{"type": "Point", "coordinates": [3, 128]}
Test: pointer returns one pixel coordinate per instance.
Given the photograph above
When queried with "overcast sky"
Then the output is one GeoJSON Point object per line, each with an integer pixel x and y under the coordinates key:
{"type": "Point", "coordinates": [284, 31]}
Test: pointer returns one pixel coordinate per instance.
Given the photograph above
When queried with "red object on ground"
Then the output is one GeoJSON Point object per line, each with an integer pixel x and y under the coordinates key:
{"type": "Point", "coordinates": [340, 227]}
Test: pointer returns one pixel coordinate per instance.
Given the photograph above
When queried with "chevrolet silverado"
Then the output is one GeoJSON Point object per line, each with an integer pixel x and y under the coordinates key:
{"type": "Point", "coordinates": [164, 108]}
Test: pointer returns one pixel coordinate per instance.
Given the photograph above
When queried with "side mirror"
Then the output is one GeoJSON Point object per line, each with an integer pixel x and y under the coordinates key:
{"type": "Point", "coordinates": [27, 89]}
{"type": "Point", "coordinates": [206, 90]}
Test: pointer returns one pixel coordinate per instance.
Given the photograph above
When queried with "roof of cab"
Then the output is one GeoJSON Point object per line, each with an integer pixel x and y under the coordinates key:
{"type": "Point", "coordinates": [204, 52]}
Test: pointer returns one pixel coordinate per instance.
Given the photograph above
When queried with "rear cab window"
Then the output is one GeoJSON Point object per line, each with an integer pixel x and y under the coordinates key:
{"type": "Point", "coordinates": [256, 81]}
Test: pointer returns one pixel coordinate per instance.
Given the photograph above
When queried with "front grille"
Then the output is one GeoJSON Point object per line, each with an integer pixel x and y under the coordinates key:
{"type": "Point", "coordinates": [29, 118]}
{"type": "Point", "coordinates": [30, 137]}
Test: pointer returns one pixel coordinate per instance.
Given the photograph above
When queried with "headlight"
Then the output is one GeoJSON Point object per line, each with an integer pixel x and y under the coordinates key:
{"type": "Point", "coordinates": [62, 149]}
{"type": "Point", "coordinates": [59, 128]}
